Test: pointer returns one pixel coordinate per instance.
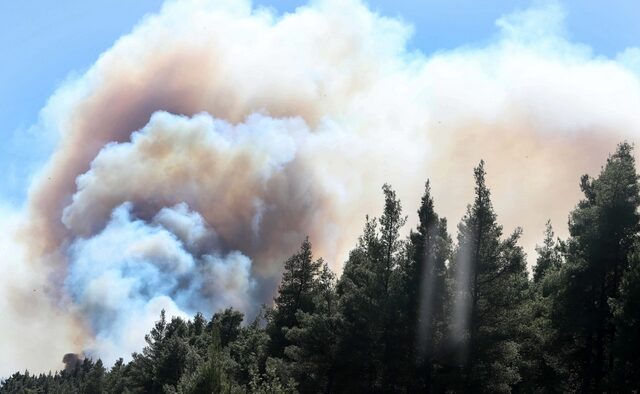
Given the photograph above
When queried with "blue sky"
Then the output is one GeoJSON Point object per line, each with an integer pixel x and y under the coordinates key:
{"type": "Point", "coordinates": [43, 43]}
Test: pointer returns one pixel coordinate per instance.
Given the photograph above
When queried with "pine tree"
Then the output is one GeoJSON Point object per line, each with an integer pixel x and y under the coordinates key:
{"type": "Point", "coordinates": [116, 379]}
{"type": "Point", "coordinates": [95, 379]}
{"type": "Point", "coordinates": [296, 293]}
{"type": "Point", "coordinates": [626, 374]}
{"type": "Point", "coordinates": [314, 340]}
{"type": "Point", "coordinates": [249, 352]}
{"type": "Point", "coordinates": [390, 286]}
{"type": "Point", "coordinates": [368, 305]}
{"type": "Point", "coordinates": [143, 364]}
{"type": "Point", "coordinates": [358, 304]}
{"type": "Point", "coordinates": [163, 359]}
{"type": "Point", "coordinates": [228, 324]}
{"type": "Point", "coordinates": [603, 229]}
{"type": "Point", "coordinates": [425, 296]}
{"type": "Point", "coordinates": [548, 255]}
{"type": "Point", "coordinates": [210, 376]}
{"type": "Point", "coordinates": [270, 382]}
{"type": "Point", "coordinates": [491, 284]}
{"type": "Point", "coordinates": [541, 368]}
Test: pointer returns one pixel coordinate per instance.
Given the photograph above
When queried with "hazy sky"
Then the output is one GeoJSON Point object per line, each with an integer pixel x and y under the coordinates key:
{"type": "Point", "coordinates": [43, 43]}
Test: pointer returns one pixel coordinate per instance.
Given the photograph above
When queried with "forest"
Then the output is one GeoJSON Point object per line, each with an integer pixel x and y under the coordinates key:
{"type": "Point", "coordinates": [422, 313]}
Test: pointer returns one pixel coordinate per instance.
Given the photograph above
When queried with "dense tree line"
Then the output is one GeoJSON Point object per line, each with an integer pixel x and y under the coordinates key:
{"type": "Point", "coordinates": [421, 314]}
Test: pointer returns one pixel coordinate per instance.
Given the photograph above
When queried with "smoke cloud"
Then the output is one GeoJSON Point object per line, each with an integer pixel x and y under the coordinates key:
{"type": "Point", "coordinates": [131, 270]}
{"type": "Point", "coordinates": [199, 150]}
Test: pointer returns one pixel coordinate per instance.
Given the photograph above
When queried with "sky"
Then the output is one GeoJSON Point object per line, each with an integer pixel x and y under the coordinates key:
{"type": "Point", "coordinates": [45, 44]}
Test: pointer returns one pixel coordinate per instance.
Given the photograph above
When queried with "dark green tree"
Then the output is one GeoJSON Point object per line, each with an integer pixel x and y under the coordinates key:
{"type": "Point", "coordinates": [95, 379]}
{"type": "Point", "coordinates": [228, 324]}
{"type": "Point", "coordinates": [541, 369]}
{"type": "Point", "coordinates": [296, 293]}
{"type": "Point", "coordinates": [116, 379]}
{"type": "Point", "coordinates": [315, 339]}
{"type": "Point", "coordinates": [491, 286]}
{"type": "Point", "coordinates": [368, 304]}
{"type": "Point", "coordinates": [424, 297]}
{"type": "Point", "coordinates": [389, 276]}
{"type": "Point", "coordinates": [359, 306]}
{"type": "Point", "coordinates": [549, 257]}
{"type": "Point", "coordinates": [270, 381]}
{"type": "Point", "coordinates": [210, 376]}
{"type": "Point", "coordinates": [603, 229]}
{"type": "Point", "coordinates": [249, 352]}
{"type": "Point", "coordinates": [162, 361]}
{"type": "Point", "coordinates": [626, 310]}
{"type": "Point", "coordinates": [142, 377]}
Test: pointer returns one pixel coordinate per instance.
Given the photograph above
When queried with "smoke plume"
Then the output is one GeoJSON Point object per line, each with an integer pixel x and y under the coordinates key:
{"type": "Point", "coordinates": [199, 150]}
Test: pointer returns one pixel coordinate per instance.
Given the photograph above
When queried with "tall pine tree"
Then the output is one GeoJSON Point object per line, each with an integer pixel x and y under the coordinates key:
{"type": "Point", "coordinates": [424, 295]}
{"type": "Point", "coordinates": [368, 305]}
{"type": "Point", "coordinates": [548, 255]}
{"type": "Point", "coordinates": [603, 229]}
{"type": "Point", "coordinates": [315, 339]}
{"type": "Point", "coordinates": [296, 293]}
{"type": "Point", "coordinates": [491, 285]}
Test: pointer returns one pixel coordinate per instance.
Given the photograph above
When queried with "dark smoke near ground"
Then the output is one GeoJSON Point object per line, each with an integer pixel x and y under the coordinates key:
{"type": "Point", "coordinates": [71, 361]}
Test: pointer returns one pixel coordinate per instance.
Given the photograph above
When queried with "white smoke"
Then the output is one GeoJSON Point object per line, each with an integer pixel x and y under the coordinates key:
{"type": "Point", "coordinates": [130, 270]}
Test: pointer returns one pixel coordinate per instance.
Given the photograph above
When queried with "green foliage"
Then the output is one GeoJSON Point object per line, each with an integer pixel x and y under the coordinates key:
{"type": "Point", "coordinates": [209, 376]}
{"type": "Point", "coordinates": [541, 368]}
{"type": "Point", "coordinates": [249, 352]}
{"type": "Point", "coordinates": [491, 290]}
{"type": "Point", "coordinates": [548, 255]}
{"type": "Point", "coordinates": [227, 323]}
{"type": "Point", "coordinates": [626, 311]}
{"type": "Point", "coordinates": [269, 382]}
{"type": "Point", "coordinates": [95, 379]}
{"type": "Point", "coordinates": [369, 306]}
{"type": "Point", "coordinates": [603, 227]}
{"type": "Point", "coordinates": [419, 299]}
{"type": "Point", "coordinates": [296, 293]}
{"type": "Point", "coordinates": [315, 339]}
{"type": "Point", "coordinates": [417, 314]}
